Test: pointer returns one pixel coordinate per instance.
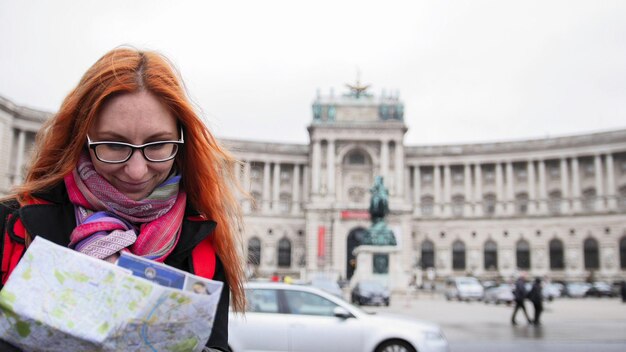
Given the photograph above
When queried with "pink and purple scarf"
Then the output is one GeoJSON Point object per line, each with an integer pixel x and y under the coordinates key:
{"type": "Point", "coordinates": [109, 222]}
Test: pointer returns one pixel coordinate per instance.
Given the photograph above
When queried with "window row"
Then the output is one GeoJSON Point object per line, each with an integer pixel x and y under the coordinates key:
{"type": "Point", "coordinates": [591, 255]}
{"type": "Point", "coordinates": [521, 202]}
{"type": "Point", "coordinates": [284, 252]}
{"type": "Point", "coordinates": [520, 171]}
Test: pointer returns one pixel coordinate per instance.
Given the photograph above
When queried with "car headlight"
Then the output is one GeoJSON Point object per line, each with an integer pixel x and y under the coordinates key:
{"type": "Point", "coordinates": [434, 335]}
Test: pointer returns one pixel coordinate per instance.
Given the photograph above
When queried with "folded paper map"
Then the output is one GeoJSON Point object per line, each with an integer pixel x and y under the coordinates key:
{"type": "Point", "coordinates": [58, 299]}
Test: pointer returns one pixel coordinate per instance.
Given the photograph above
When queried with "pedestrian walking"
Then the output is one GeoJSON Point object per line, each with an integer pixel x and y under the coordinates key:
{"type": "Point", "coordinates": [520, 294]}
{"type": "Point", "coordinates": [536, 297]}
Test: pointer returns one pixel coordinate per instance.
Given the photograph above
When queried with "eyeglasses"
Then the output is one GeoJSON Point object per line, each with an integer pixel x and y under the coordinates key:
{"type": "Point", "coordinates": [119, 152]}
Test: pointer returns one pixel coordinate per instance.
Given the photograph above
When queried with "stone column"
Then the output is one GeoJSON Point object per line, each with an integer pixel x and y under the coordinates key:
{"type": "Point", "coordinates": [305, 184]}
{"type": "Point", "coordinates": [532, 197]}
{"type": "Point", "coordinates": [315, 168]}
{"type": "Point", "coordinates": [576, 204]}
{"type": "Point", "coordinates": [417, 191]}
{"type": "Point", "coordinates": [266, 187]}
{"type": "Point", "coordinates": [399, 168]}
{"type": "Point", "coordinates": [276, 188]}
{"type": "Point", "coordinates": [478, 190]}
{"type": "Point", "coordinates": [610, 182]}
{"type": "Point", "coordinates": [295, 205]}
{"type": "Point", "coordinates": [406, 185]}
{"type": "Point", "coordinates": [19, 161]}
{"type": "Point", "coordinates": [330, 167]}
{"type": "Point", "coordinates": [467, 183]}
{"type": "Point", "coordinates": [510, 197]}
{"type": "Point", "coordinates": [543, 196]}
{"type": "Point", "coordinates": [499, 191]}
{"type": "Point", "coordinates": [384, 160]}
{"type": "Point", "coordinates": [447, 190]}
{"type": "Point", "coordinates": [599, 183]}
{"type": "Point", "coordinates": [565, 204]}
{"type": "Point", "coordinates": [436, 190]}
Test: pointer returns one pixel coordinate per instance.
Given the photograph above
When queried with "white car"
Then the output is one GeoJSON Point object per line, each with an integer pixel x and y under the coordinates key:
{"type": "Point", "coordinates": [283, 317]}
{"type": "Point", "coordinates": [464, 288]}
{"type": "Point", "coordinates": [552, 290]}
{"type": "Point", "coordinates": [499, 294]}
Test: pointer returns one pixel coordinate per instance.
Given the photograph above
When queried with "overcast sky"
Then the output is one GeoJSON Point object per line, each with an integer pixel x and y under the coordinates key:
{"type": "Point", "coordinates": [467, 71]}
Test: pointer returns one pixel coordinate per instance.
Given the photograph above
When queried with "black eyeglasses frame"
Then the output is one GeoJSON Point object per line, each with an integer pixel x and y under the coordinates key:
{"type": "Point", "coordinates": [92, 145]}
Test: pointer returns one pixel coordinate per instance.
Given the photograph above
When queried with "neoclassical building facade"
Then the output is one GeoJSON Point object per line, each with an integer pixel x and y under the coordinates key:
{"type": "Point", "coordinates": [552, 207]}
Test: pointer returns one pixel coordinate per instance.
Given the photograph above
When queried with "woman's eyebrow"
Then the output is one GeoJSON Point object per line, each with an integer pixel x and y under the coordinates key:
{"type": "Point", "coordinates": [115, 136]}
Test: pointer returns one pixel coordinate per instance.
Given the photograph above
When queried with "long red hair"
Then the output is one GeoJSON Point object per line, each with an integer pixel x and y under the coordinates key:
{"type": "Point", "coordinates": [208, 170]}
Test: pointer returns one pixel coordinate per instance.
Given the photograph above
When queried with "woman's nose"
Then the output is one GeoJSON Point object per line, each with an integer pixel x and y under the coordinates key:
{"type": "Point", "coordinates": [136, 166]}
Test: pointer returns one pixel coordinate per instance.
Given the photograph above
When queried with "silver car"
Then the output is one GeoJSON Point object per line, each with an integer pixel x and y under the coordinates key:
{"type": "Point", "coordinates": [499, 294]}
{"type": "Point", "coordinates": [283, 317]}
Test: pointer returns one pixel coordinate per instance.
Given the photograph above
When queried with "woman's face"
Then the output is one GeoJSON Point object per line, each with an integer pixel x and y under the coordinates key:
{"type": "Point", "coordinates": [135, 118]}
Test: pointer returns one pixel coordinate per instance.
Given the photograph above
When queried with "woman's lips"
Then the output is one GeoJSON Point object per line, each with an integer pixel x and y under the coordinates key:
{"type": "Point", "coordinates": [133, 186]}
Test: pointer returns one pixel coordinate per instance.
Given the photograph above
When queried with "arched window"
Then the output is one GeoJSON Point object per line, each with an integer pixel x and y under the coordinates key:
{"type": "Point", "coordinates": [427, 205]}
{"type": "Point", "coordinates": [491, 255]}
{"type": "Point", "coordinates": [357, 157]}
{"type": "Point", "coordinates": [458, 202]}
{"type": "Point", "coordinates": [592, 255]}
{"type": "Point", "coordinates": [589, 199]}
{"type": "Point", "coordinates": [557, 261]}
{"type": "Point", "coordinates": [521, 203]}
{"type": "Point", "coordinates": [254, 251]}
{"type": "Point", "coordinates": [458, 255]}
{"type": "Point", "coordinates": [489, 204]}
{"type": "Point", "coordinates": [554, 202]}
{"type": "Point", "coordinates": [522, 254]}
{"type": "Point", "coordinates": [428, 254]}
{"type": "Point", "coordinates": [284, 253]}
{"type": "Point", "coordinates": [622, 253]}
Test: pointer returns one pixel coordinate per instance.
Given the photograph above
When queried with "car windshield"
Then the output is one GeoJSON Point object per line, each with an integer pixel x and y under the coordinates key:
{"type": "Point", "coordinates": [371, 286]}
{"type": "Point", "coordinates": [467, 281]}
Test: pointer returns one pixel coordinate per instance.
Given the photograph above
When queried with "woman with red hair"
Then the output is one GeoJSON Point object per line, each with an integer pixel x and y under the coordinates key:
{"type": "Point", "coordinates": [127, 165]}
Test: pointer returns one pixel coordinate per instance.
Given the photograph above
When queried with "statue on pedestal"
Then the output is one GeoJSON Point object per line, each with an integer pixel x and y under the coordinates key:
{"type": "Point", "coordinates": [379, 234]}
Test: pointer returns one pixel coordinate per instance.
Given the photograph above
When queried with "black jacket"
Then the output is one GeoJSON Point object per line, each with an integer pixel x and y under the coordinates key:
{"type": "Point", "coordinates": [520, 290]}
{"type": "Point", "coordinates": [535, 295]}
{"type": "Point", "coordinates": [56, 220]}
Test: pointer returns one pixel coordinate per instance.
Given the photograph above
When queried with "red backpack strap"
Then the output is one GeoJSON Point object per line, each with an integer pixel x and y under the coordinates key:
{"type": "Point", "coordinates": [13, 245]}
{"type": "Point", "coordinates": [203, 257]}
{"type": "Point", "coordinates": [14, 239]}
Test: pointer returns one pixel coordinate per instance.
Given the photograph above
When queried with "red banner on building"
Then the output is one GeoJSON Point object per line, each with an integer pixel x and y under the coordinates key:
{"type": "Point", "coordinates": [355, 214]}
{"type": "Point", "coordinates": [321, 241]}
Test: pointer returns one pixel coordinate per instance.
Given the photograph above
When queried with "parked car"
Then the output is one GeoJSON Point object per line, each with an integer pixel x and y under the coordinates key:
{"type": "Point", "coordinates": [488, 284]}
{"type": "Point", "coordinates": [370, 292]}
{"type": "Point", "coordinates": [549, 291]}
{"type": "Point", "coordinates": [499, 294]}
{"type": "Point", "coordinates": [464, 288]}
{"type": "Point", "coordinates": [552, 290]}
{"type": "Point", "coordinates": [284, 317]}
{"type": "Point", "coordinates": [576, 289]}
{"type": "Point", "coordinates": [600, 289]}
{"type": "Point", "coordinates": [328, 285]}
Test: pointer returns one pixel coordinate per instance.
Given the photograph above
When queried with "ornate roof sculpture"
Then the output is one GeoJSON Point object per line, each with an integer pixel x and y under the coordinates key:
{"type": "Point", "coordinates": [357, 106]}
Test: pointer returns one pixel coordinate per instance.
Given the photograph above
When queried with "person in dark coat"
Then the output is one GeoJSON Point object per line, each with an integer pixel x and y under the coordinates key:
{"type": "Point", "coordinates": [519, 294]}
{"type": "Point", "coordinates": [623, 291]}
{"type": "Point", "coordinates": [536, 297]}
